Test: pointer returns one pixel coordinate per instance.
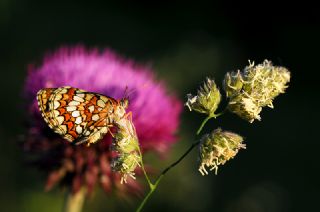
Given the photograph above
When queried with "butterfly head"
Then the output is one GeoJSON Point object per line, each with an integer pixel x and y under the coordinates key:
{"type": "Point", "coordinates": [124, 102]}
{"type": "Point", "coordinates": [121, 107]}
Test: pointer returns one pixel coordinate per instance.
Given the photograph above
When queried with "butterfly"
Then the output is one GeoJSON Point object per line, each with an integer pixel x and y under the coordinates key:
{"type": "Point", "coordinates": [80, 116]}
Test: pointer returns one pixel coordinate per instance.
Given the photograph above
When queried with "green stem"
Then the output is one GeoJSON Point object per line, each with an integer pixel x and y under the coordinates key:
{"type": "Point", "coordinates": [147, 197]}
{"type": "Point", "coordinates": [153, 188]}
{"type": "Point", "coordinates": [208, 118]}
{"type": "Point", "coordinates": [221, 113]}
{"type": "Point", "coordinates": [144, 170]}
{"type": "Point", "coordinates": [74, 202]}
{"type": "Point", "coordinates": [203, 123]}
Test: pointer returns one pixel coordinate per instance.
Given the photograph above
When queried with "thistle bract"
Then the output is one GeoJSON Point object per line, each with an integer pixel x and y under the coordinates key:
{"type": "Point", "coordinates": [207, 100]}
{"type": "Point", "coordinates": [255, 87]}
{"type": "Point", "coordinates": [217, 148]}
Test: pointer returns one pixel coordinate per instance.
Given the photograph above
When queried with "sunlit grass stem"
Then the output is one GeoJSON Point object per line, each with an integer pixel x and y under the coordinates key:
{"type": "Point", "coordinates": [153, 186]}
{"type": "Point", "coordinates": [207, 119]}
{"type": "Point", "coordinates": [74, 202]}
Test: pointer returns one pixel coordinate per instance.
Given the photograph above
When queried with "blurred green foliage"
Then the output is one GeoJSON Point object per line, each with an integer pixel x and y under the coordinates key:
{"type": "Point", "coordinates": [185, 42]}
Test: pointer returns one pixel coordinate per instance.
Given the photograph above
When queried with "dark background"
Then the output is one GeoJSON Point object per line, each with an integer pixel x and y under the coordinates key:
{"type": "Point", "coordinates": [185, 42]}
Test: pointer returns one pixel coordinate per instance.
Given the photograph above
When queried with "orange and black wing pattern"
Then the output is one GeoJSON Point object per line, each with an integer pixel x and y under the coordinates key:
{"type": "Point", "coordinates": [75, 114]}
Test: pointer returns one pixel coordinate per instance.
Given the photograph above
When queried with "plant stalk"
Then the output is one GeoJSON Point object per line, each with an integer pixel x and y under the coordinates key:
{"type": "Point", "coordinates": [74, 202]}
{"type": "Point", "coordinates": [155, 185]}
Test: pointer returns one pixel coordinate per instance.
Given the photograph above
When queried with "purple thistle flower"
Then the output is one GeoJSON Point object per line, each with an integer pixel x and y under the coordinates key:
{"type": "Point", "coordinates": [155, 114]}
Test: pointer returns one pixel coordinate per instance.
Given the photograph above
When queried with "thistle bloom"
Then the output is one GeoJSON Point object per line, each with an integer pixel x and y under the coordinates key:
{"type": "Point", "coordinates": [255, 87]}
{"type": "Point", "coordinates": [155, 115]}
{"type": "Point", "coordinates": [207, 100]}
{"type": "Point", "coordinates": [217, 148]}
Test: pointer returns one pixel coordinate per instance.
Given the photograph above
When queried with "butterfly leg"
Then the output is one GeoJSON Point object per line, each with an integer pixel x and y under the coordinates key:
{"type": "Point", "coordinates": [110, 126]}
{"type": "Point", "coordinates": [128, 115]}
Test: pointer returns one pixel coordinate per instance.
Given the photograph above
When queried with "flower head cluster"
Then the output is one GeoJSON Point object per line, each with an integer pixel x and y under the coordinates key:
{"type": "Point", "coordinates": [126, 145]}
{"type": "Point", "coordinates": [207, 100]}
{"type": "Point", "coordinates": [217, 148]}
{"type": "Point", "coordinates": [155, 115]}
{"type": "Point", "coordinates": [255, 87]}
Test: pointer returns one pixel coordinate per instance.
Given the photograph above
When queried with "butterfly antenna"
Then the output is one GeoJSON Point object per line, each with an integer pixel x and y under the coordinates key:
{"type": "Point", "coordinates": [128, 92]}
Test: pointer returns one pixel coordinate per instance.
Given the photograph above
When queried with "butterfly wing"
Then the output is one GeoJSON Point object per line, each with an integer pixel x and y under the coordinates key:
{"type": "Point", "coordinates": [43, 97]}
{"type": "Point", "coordinates": [77, 115]}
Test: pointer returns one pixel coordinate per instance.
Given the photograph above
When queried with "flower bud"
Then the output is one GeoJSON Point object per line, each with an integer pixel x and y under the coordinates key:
{"type": "Point", "coordinates": [245, 107]}
{"type": "Point", "coordinates": [233, 83]}
{"type": "Point", "coordinates": [125, 140]}
{"type": "Point", "coordinates": [260, 85]}
{"type": "Point", "coordinates": [126, 145]}
{"type": "Point", "coordinates": [125, 164]}
{"type": "Point", "coordinates": [217, 148]}
{"type": "Point", "coordinates": [207, 100]}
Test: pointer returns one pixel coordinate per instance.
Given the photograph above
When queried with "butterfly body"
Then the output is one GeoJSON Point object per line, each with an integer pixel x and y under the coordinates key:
{"type": "Point", "coordinates": [77, 115]}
